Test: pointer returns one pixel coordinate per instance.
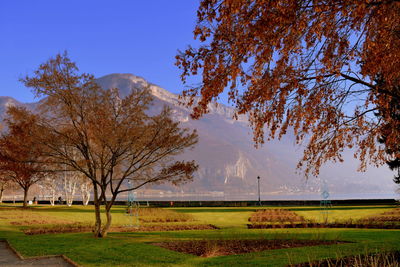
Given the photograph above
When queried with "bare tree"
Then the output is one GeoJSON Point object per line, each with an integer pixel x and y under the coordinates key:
{"type": "Point", "coordinates": [70, 184]}
{"type": "Point", "coordinates": [116, 140]}
{"type": "Point", "coordinates": [86, 188]}
{"type": "Point", "coordinates": [71, 180]}
{"type": "Point", "coordinates": [4, 183]}
{"type": "Point", "coordinates": [7, 185]}
{"type": "Point", "coordinates": [51, 184]}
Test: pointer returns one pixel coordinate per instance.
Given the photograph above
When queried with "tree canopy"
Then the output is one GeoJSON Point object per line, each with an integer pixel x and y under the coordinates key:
{"type": "Point", "coordinates": [309, 66]}
{"type": "Point", "coordinates": [107, 138]}
{"type": "Point", "coordinates": [21, 157]}
{"type": "Point", "coordinates": [391, 117]}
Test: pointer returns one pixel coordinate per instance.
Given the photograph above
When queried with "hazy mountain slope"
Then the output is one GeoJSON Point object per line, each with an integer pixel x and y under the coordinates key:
{"type": "Point", "coordinates": [229, 162]}
{"type": "Point", "coordinates": [6, 101]}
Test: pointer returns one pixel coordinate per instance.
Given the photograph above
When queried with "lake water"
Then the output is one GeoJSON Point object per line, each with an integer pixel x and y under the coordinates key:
{"type": "Point", "coordinates": [203, 197]}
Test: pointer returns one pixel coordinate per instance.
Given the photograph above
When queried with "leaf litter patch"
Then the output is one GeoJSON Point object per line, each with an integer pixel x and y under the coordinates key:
{"type": "Point", "coordinates": [214, 248]}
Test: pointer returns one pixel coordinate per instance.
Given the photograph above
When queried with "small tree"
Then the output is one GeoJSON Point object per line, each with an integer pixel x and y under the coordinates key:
{"type": "Point", "coordinates": [86, 188]}
{"type": "Point", "coordinates": [71, 180]}
{"type": "Point", "coordinates": [4, 184]}
{"type": "Point", "coordinates": [114, 138]}
{"type": "Point", "coordinates": [70, 184]}
{"type": "Point", "coordinates": [52, 185]}
{"type": "Point", "coordinates": [19, 154]}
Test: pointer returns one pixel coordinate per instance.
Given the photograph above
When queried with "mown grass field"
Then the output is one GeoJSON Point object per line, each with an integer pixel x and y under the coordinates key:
{"type": "Point", "coordinates": [137, 249]}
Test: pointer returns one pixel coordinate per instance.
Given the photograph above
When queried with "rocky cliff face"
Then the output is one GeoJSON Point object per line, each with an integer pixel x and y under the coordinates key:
{"type": "Point", "coordinates": [228, 161]}
{"type": "Point", "coordinates": [240, 168]}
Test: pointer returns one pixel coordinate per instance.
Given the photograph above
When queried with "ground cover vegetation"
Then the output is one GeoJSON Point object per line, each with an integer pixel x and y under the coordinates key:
{"type": "Point", "coordinates": [328, 71]}
{"type": "Point", "coordinates": [127, 247]}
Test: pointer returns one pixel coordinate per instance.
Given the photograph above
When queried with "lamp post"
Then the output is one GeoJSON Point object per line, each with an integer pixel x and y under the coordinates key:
{"type": "Point", "coordinates": [259, 198]}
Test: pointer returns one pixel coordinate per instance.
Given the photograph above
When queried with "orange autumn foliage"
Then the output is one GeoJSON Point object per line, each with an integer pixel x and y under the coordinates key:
{"type": "Point", "coordinates": [309, 66]}
{"type": "Point", "coordinates": [21, 160]}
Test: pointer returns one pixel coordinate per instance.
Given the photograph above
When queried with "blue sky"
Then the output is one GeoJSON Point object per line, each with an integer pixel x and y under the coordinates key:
{"type": "Point", "coordinates": [120, 36]}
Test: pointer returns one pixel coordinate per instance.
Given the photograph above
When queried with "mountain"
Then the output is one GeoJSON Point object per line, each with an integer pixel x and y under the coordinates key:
{"type": "Point", "coordinates": [229, 162]}
{"type": "Point", "coordinates": [6, 101]}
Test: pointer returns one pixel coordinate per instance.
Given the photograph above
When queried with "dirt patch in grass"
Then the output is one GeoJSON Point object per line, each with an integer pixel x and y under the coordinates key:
{"type": "Point", "coordinates": [213, 248]}
{"type": "Point", "coordinates": [392, 216]}
{"type": "Point", "coordinates": [76, 228]}
{"type": "Point", "coordinates": [28, 217]}
{"type": "Point", "coordinates": [275, 216]}
{"type": "Point", "coordinates": [58, 228]}
{"type": "Point", "coordinates": [156, 215]}
{"type": "Point", "coordinates": [155, 228]}
{"type": "Point", "coordinates": [37, 221]}
{"type": "Point", "coordinates": [15, 208]}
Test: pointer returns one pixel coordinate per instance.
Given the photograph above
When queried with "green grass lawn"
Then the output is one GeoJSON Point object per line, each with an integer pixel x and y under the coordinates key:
{"type": "Point", "coordinates": [136, 249]}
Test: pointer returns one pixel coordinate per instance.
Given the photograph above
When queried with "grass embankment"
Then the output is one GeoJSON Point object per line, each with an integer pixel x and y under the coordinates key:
{"type": "Point", "coordinates": [137, 249]}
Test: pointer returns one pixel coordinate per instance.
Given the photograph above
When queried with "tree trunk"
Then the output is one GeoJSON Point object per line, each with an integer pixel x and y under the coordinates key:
{"type": "Point", "coordinates": [85, 192]}
{"type": "Point", "coordinates": [97, 203]}
{"type": "Point", "coordinates": [108, 206]}
{"type": "Point", "coordinates": [53, 197]}
{"type": "Point", "coordinates": [25, 197]}
{"type": "Point", "coordinates": [85, 198]}
{"type": "Point", "coordinates": [1, 194]}
{"type": "Point", "coordinates": [106, 227]}
{"type": "Point", "coordinates": [69, 188]}
{"type": "Point", "coordinates": [69, 202]}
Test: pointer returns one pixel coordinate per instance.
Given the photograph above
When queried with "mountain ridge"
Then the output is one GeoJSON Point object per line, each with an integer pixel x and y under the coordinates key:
{"type": "Point", "coordinates": [120, 80]}
{"type": "Point", "coordinates": [228, 161]}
